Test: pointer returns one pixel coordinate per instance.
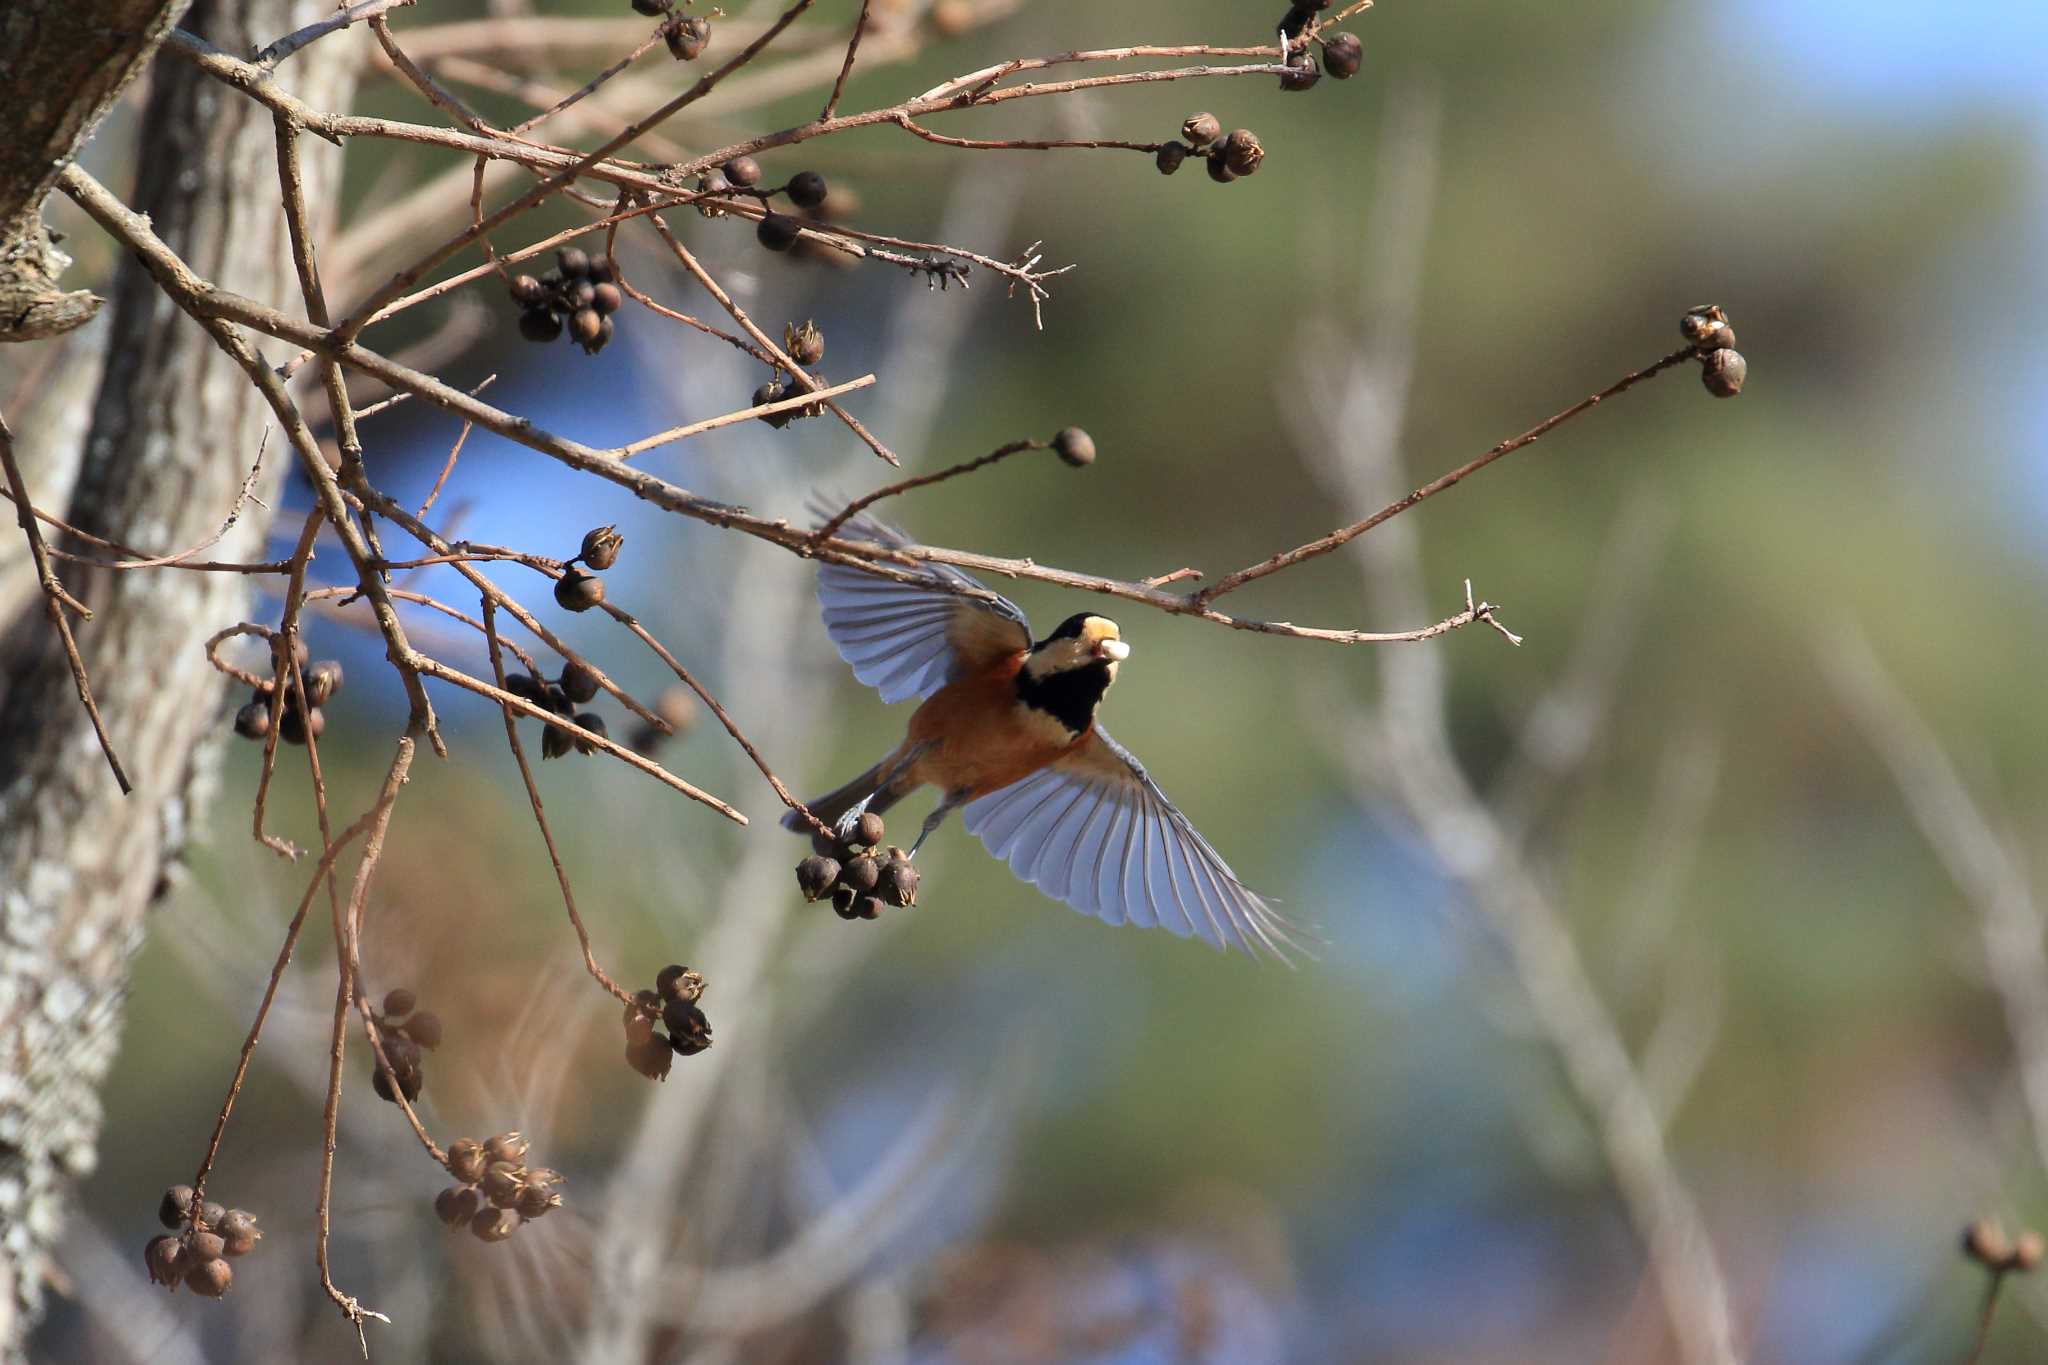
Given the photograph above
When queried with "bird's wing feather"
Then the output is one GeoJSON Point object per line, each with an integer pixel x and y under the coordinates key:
{"type": "Point", "coordinates": [909, 639]}
{"type": "Point", "coordinates": [1095, 831]}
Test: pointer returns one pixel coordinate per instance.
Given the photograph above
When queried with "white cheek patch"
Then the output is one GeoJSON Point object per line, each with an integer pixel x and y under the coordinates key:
{"type": "Point", "coordinates": [1116, 651]}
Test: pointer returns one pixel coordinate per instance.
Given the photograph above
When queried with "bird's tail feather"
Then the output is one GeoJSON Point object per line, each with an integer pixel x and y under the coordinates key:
{"type": "Point", "coordinates": [839, 800]}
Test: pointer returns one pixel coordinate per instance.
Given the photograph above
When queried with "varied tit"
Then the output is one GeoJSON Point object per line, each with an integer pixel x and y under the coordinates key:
{"type": "Point", "coordinates": [1007, 734]}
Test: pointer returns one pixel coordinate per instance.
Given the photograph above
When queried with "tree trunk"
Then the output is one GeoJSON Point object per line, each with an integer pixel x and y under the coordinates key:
{"type": "Point", "coordinates": [174, 428]}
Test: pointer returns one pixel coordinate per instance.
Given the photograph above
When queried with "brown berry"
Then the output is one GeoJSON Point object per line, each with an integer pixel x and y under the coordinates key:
{"type": "Point", "coordinates": [322, 681]}
{"type": "Point", "coordinates": [424, 1028]}
{"type": "Point", "coordinates": [526, 687]}
{"type": "Point", "coordinates": [603, 268]}
{"type": "Point", "coordinates": [573, 262]}
{"type": "Point", "coordinates": [650, 1056]}
{"type": "Point", "coordinates": [466, 1160]}
{"type": "Point", "coordinates": [694, 1035]}
{"type": "Point", "coordinates": [510, 1146]}
{"type": "Point", "coordinates": [815, 875]}
{"type": "Point", "coordinates": [586, 328]}
{"type": "Point", "coordinates": [1302, 73]}
{"type": "Point", "coordinates": [842, 902]}
{"type": "Point", "coordinates": [535, 1200]}
{"type": "Point", "coordinates": [210, 1279]}
{"type": "Point", "coordinates": [1169, 156]}
{"type": "Point", "coordinates": [501, 1184]}
{"type": "Point", "coordinates": [594, 723]}
{"type": "Point", "coordinates": [212, 1215]}
{"type": "Point", "coordinates": [578, 682]}
{"type": "Point", "coordinates": [555, 742]}
{"type": "Point", "coordinates": [239, 1232]}
{"type": "Point", "coordinates": [1219, 169]}
{"type": "Point", "coordinates": [176, 1206]}
{"type": "Point", "coordinates": [1201, 129]}
{"type": "Point", "coordinates": [527, 291]}
{"type": "Point", "coordinates": [743, 171]}
{"type": "Point", "coordinates": [677, 982]}
{"type": "Point", "coordinates": [899, 882]}
{"type": "Point", "coordinates": [1075, 446]}
{"type": "Point", "coordinates": [1706, 327]}
{"type": "Point", "coordinates": [861, 874]}
{"type": "Point", "coordinates": [1723, 372]}
{"type": "Point", "coordinates": [205, 1246]}
{"type": "Point", "coordinates": [807, 189]}
{"type": "Point", "coordinates": [576, 590]}
{"type": "Point", "coordinates": [869, 907]}
{"type": "Point", "coordinates": [294, 728]}
{"type": "Point", "coordinates": [456, 1205]}
{"type": "Point", "coordinates": [253, 720]}
{"type": "Point", "coordinates": [399, 1002]}
{"type": "Point", "coordinates": [778, 231]}
{"type": "Point", "coordinates": [687, 37]}
{"type": "Point", "coordinates": [868, 830]}
{"type": "Point", "coordinates": [494, 1225]}
{"type": "Point", "coordinates": [805, 344]}
{"type": "Point", "coordinates": [1343, 55]}
{"type": "Point", "coordinates": [607, 298]}
{"type": "Point", "coordinates": [653, 9]}
{"type": "Point", "coordinates": [540, 324]}
{"type": "Point", "coordinates": [1242, 151]}
{"type": "Point", "coordinates": [166, 1260]}
{"type": "Point", "coordinates": [639, 1027]}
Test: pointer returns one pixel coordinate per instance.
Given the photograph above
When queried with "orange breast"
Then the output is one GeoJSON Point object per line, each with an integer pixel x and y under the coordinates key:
{"type": "Point", "coordinates": [982, 738]}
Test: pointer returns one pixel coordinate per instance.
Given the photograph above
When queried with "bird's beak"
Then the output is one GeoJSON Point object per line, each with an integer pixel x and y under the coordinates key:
{"type": "Point", "coordinates": [1116, 651]}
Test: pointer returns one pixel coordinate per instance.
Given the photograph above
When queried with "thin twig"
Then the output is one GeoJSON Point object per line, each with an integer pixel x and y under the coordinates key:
{"type": "Point", "coordinates": [55, 598]}
{"type": "Point", "coordinates": [860, 27]}
{"type": "Point", "coordinates": [860, 504]}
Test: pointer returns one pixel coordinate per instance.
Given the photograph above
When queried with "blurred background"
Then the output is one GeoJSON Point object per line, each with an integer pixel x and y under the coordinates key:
{"type": "Point", "coordinates": [1701, 922]}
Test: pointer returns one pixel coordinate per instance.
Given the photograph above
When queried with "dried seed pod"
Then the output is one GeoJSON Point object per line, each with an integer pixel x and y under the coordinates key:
{"type": "Point", "coordinates": [501, 1184]}
{"type": "Point", "coordinates": [862, 874]}
{"type": "Point", "coordinates": [594, 723]}
{"type": "Point", "coordinates": [586, 328]}
{"type": "Point", "coordinates": [508, 1146]}
{"type": "Point", "coordinates": [239, 1232]}
{"type": "Point", "coordinates": [573, 262]}
{"type": "Point", "coordinates": [526, 687]}
{"type": "Point", "coordinates": [778, 231]}
{"type": "Point", "coordinates": [1219, 169]}
{"type": "Point", "coordinates": [456, 1205]}
{"type": "Point", "coordinates": [540, 324]}
{"type": "Point", "coordinates": [166, 1261]}
{"type": "Point", "coordinates": [1201, 129]}
{"type": "Point", "coordinates": [1075, 446]}
{"type": "Point", "coordinates": [1706, 327]}
{"type": "Point", "coordinates": [1169, 156]}
{"type": "Point", "coordinates": [607, 299]}
{"type": "Point", "coordinates": [212, 1215]}
{"type": "Point", "coordinates": [815, 875]}
{"type": "Point", "coordinates": [842, 901]}
{"type": "Point", "coordinates": [576, 590]}
{"type": "Point", "coordinates": [639, 1027]}
{"type": "Point", "coordinates": [547, 1177]}
{"type": "Point", "coordinates": [175, 1207]}
{"type": "Point", "coordinates": [535, 1200]}
{"type": "Point", "coordinates": [677, 982]}
{"type": "Point", "coordinates": [578, 682]}
{"type": "Point", "coordinates": [294, 728]}
{"type": "Point", "coordinates": [253, 720]}
{"type": "Point", "coordinates": [603, 269]}
{"type": "Point", "coordinates": [210, 1279]}
{"type": "Point", "coordinates": [556, 742]}
{"type": "Point", "coordinates": [653, 9]}
{"type": "Point", "coordinates": [1302, 72]}
{"type": "Point", "coordinates": [680, 1016]}
{"type": "Point", "coordinates": [743, 171]}
{"type": "Point", "coordinates": [399, 1002]}
{"type": "Point", "coordinates": [494, 1225]}
{"type": "Point", "coordinates": [694, 1035]}
{"type": "Point", "coordinates": [527, 291]}
{"type": "Point", "coordinates": [687, 36]}
{"type": "Point", "coordinates": [424, 1028]}
{"type": "Point", "coordinates": [1723, 372]}
{"type": "Point", "coordinates": [322, 681]}
{"type": "Point", "coordinates": [805, 344]}
{"type": "Point", "coordinates": [1242, 151]}
{"type": "Point", "coordinates": [555, 699]}
{"type": "Point", "coordinates": [868, 907]}
{"type": "Point", "coordinates": [651, 1056]}
{"type": "Point", "coordinates": [466, 1160]}
{"type": "Point", "coordinates": [899, 882]}
{"type": "Point", "coordinates": [205, 1246]}
{"type": "Point", "coordinates": [868, 830]}
{"type": "Point", "coordinates": [1343, 55]}
{"type": "Point", "coordinates": [807, 189]}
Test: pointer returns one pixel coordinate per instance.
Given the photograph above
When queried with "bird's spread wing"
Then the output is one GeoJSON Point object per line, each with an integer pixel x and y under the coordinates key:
{"type": "Point", "coordinates": [1095, 831]}
{"type": "Point", "coordinates": [910, 639]}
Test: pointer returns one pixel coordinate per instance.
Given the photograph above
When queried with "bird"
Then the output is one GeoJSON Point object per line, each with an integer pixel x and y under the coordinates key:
{"type": "Point", "coordinates": [1006, 732]}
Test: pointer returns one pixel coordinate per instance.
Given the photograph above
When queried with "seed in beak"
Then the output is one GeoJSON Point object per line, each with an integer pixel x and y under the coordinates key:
{"type": "Point", "coordinates": [1115, 651]}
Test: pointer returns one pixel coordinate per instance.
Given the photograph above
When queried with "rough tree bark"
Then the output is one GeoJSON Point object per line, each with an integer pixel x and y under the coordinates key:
{"type": "Point", "coordinates": [173, 430]}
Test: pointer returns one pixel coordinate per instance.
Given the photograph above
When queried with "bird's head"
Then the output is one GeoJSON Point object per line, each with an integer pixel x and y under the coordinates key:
{"type": "Point", "coordinates": [1081, 641]}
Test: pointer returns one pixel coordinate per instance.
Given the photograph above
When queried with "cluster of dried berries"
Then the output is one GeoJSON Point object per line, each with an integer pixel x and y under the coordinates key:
{"type": "Point", "coordinates": [404, 1029]}
{"type": "Point", "coordinates": [322, 680]}
{"type": "Point", "coordinates": [576, 590]}
{"type": "Point", "coordinates": [1985, 1242]}
{"type": "Point", "coordinates": [581, 288]}
{"type": "Point", "coordinates": [1342, 54]}
{"type": "Point", "coordinates": [673, 1004]}
{"type": "Point", "coordinates": [495, 1190]}
{"type": "Point", "coordinates": [686, 35]}
{"type": "Point", "coordinates": [194, 1252]}
{"type": "Point", "coordinates": [576, 685]}
{"type": "Point", "coordinates": [1722, 368]}
{"type": "Point", "coordinates": [854, 869]}
{"type": "Point", "coordinates": [806, 346]}
{"type": "Point", "coordinates": [678, 708]}
{"type": "Point", "coordinates": [1229, 157]}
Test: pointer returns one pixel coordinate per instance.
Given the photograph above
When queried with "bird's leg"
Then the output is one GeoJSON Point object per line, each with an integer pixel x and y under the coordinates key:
{"type": "Point", "coordinates": [932, 822]}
